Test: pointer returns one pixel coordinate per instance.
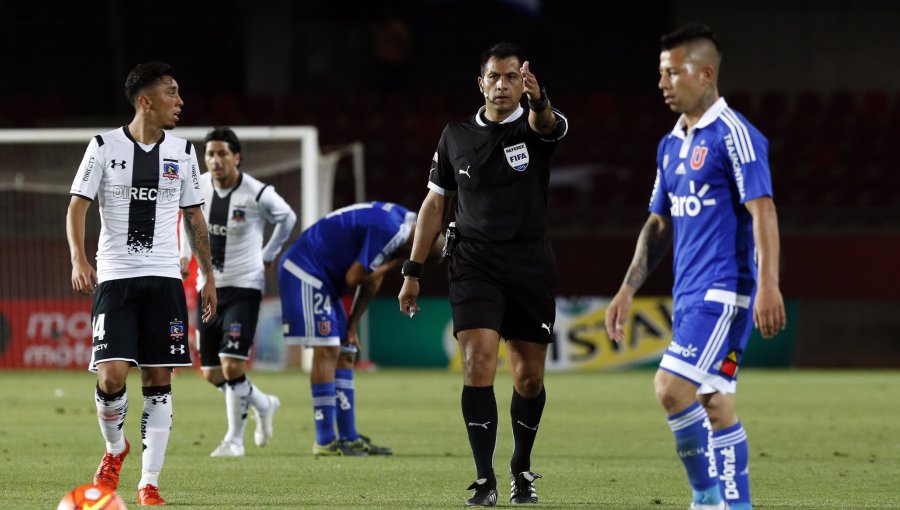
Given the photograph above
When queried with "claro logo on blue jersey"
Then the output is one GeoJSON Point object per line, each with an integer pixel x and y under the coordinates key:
{"type": "Point", "coordinates": [690, 205]}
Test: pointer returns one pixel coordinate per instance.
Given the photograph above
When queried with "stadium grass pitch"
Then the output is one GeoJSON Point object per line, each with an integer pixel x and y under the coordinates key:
{"type": "Point", "coordinates": [818, 440]}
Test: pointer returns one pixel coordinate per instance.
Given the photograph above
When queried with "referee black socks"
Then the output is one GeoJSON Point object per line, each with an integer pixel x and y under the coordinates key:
{"type": "Point", "coordinates": [479, 408]}
{"type": "Point", "coordinates": [525, 414]}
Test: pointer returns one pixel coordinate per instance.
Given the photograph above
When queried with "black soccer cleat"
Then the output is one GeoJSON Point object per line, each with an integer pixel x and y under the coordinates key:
{"type": "Point", "coordinates": [521, 488]}
{"type": "Point", "coordinates": [485, 495]}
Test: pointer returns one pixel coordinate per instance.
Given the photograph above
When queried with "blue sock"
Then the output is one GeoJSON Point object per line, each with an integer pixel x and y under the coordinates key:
{"type": "Point", "coordinates": [323, 412]}
{"type": "Point", "coordinates": [346, 414]}
{"type": "Point", "coordinates": [732, 456]}
{"type": "Point", "coordinates": [692, 444]}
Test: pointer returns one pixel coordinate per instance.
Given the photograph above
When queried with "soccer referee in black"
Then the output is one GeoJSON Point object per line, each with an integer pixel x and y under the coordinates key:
{"type": "Point", "coordinates": [502, 270]}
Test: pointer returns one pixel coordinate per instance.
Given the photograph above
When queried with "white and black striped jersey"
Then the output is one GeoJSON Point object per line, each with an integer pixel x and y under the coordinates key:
{"type": "Point", "coordinates": [237, 219]}
{"type": "Point", "coordinates": [140, 189]}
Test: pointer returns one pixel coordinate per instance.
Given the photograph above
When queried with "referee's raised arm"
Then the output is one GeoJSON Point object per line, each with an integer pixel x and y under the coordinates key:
{"type": "Point", "coordinates": [540, 116]}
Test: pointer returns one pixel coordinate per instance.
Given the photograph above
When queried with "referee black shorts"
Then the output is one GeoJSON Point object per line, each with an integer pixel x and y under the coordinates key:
{"type": "Point", "coordinates": [230, 332]}
{"type": "Point", "coordinates": [509, 288]}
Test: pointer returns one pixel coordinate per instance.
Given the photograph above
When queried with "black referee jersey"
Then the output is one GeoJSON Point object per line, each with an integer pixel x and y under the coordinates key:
{"type": "Point", "coordinates": [501, 171]}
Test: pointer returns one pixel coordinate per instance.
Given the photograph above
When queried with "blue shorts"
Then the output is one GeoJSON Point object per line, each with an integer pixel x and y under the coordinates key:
{"type": "Point", "coordinates": [312, 314]}
{"type": "Point", "coordinates": [708, 341]}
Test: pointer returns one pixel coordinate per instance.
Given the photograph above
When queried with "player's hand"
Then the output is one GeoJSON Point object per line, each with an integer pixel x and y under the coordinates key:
{"type": "Point", "coordinates": [209, 300]}
{"type": "Point", "coordinates": [532, 89]}
{"type": "Point", "coordinates": [84, 278]}
{"type": "Point", "coordinates": [408, 295]}
{"type": "Point", "coordinates": [768, 311]}
{"type": "Point", "coordinates": [353, 338]}
{"type": "Point", "coordinates": [616, 313]}
{"type": "Point", "coordinates": [185, 267]}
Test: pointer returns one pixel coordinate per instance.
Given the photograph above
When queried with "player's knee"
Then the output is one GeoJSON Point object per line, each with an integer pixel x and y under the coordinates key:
{"type": "Point", "coordinates": [670, 399]}
{"type": "Point", "coordinates": [529, 386]}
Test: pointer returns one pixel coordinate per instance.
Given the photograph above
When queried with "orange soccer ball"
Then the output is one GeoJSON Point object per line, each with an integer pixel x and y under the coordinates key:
{"type": "Point", "coordinates": [91, 497]}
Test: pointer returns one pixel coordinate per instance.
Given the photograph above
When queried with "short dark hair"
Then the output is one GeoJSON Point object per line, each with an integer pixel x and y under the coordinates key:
{"type": "Point", "coordinates": [143, 75]}
{"type": "Point", "coordinates": [502, 50]}
{"type": "Point", "coordinates": [225, 134]}
{"type": "Point", "coordinates": [689, 33]}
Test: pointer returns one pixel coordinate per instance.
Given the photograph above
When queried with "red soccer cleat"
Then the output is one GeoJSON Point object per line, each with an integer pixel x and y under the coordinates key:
{"type": "Point", "coordinates": [148, 495]}
{"type": "Point", "coordinates": [107, 474]}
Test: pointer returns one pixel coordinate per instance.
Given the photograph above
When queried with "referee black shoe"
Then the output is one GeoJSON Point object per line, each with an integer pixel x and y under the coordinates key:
{"type": "Point", "coordinates": [521, 488]}
{"type": "Point", "coordinates": [485, 495]}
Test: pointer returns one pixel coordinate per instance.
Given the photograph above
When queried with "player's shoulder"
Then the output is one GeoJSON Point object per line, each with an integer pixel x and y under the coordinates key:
{"type": "Point", "coordinates": [731, 124]}
{"type": "Point", "coordinates": [173, 142]}
{"type": "Point", "coordinates": [110, 137]}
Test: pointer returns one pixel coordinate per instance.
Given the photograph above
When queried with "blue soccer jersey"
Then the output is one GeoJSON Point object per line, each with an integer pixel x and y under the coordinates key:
{"type": "Point", "coordinates": [368, 233]}
{"type": "Point", "coordinates": [311, 278]}
{"type": "Point", "coordinates": [703, 178]}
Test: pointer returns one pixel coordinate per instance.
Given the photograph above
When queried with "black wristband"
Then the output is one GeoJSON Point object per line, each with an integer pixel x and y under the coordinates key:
{"type": "Point", "coordinates": [411, 269]}
{"type": "Point", "coordinates": [541, 104]}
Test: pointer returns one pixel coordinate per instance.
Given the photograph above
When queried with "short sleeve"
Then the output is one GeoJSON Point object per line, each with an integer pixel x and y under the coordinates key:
{"type": "Point", "coordinates": [441, 178]}
{"type": "Point", "coordinates": [659, 197]}
{"type": "Point", "coordinates": [560, 130]}
{"type": "Point", "coordinates": [191, 196]}
{"type": "Point", "coordinates": [273, 207]}
{"type": "Point", "coordinates": [90, 172]}
{"type": "Point", "coordinates": [748, 152]}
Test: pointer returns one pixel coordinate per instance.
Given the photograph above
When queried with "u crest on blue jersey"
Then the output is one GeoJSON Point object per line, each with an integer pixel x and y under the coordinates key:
{"type": "Point", "coordinates": [517, 156]}
{"type": "Point", "coordinates": [698, 157]}
{"type": "Point", "coordinates": [170, 170]}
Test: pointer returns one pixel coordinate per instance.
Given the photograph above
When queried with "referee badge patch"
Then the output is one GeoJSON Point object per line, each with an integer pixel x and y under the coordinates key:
{"type": "Point", "coordinates": [517, 156]}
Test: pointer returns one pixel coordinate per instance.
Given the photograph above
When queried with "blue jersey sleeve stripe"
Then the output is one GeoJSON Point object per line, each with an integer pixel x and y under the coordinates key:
{"type": "Point", "coordinates": [742, 128]}
{"type": "Point", "coordinates": [739, 147]}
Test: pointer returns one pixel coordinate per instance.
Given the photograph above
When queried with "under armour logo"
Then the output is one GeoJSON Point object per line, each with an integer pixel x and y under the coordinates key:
{"type": "Point", "coordinates": [177, 348]}
{"type": "Point", "coordinates": [232, 345]}
{"type": "Point", "coordinates": [318, 415]}
{"type": "Point", "coordinates": [466, 171]}
{"type": "Point", "coordinates": [529, 428]}
{"type": "Point", "coordinates": [485, 424]}
{"type": "Point", "coordinates": [547, 326]}
{"type": "Point", "coordinates": [113, 164]}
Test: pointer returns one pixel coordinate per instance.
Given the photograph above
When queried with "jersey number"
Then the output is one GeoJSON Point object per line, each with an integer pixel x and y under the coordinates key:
{"type": "Point", "coordinates": [98, 326]}
{"type": "Point", "coordinates": [321, 302]}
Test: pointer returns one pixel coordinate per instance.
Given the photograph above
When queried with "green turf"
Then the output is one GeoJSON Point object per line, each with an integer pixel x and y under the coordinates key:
{"type": "Point", "coordinates": [818, 440]}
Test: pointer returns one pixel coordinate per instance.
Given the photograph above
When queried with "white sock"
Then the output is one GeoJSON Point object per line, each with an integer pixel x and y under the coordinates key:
{"type": "Point", "coordinates": [236, 403]}
{"type": "Point", "coordinates": [111, 411]}
{"type": "Point", "coordinates": [258, 399]}
{"type": "Point", "coordinates": [156, 423]}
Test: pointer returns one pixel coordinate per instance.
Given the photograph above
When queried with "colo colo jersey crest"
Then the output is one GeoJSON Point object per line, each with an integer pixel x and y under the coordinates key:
{"type": "Point", "coordinates": [140, 189]}
{"type": "Point", "coordinates": [501, 171]}
{"type": "Point", "coordinates": [237, 220]}
{"type": "Point", "coordinates": [368, 233]}
{"type": "Point", "coordinates": [703, 178]}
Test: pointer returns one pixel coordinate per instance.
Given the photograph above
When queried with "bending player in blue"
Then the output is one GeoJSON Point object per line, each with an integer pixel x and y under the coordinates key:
{"type": "Point", "coordinates": [713, 195]}
{"type": "Point", "coordinates": [351, 248]}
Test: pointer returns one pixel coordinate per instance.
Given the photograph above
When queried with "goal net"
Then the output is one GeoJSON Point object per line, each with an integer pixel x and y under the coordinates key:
{"type": "Point", "coordinates": [43, 324]}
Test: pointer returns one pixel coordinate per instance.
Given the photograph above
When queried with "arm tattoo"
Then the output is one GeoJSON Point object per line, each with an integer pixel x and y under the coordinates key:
{"type": "Point", "coordinates": [198, 236]}
{"type": "Point", "coordinates": [651, 246]}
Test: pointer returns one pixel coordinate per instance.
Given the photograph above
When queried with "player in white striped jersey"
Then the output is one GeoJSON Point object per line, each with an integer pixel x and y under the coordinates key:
{"type": "Point", "coordinates": [238, 207]}
{"type": "Point", "coordinates": [141, 176]}
{"type": "Point", "coordinates": [713, 197]}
